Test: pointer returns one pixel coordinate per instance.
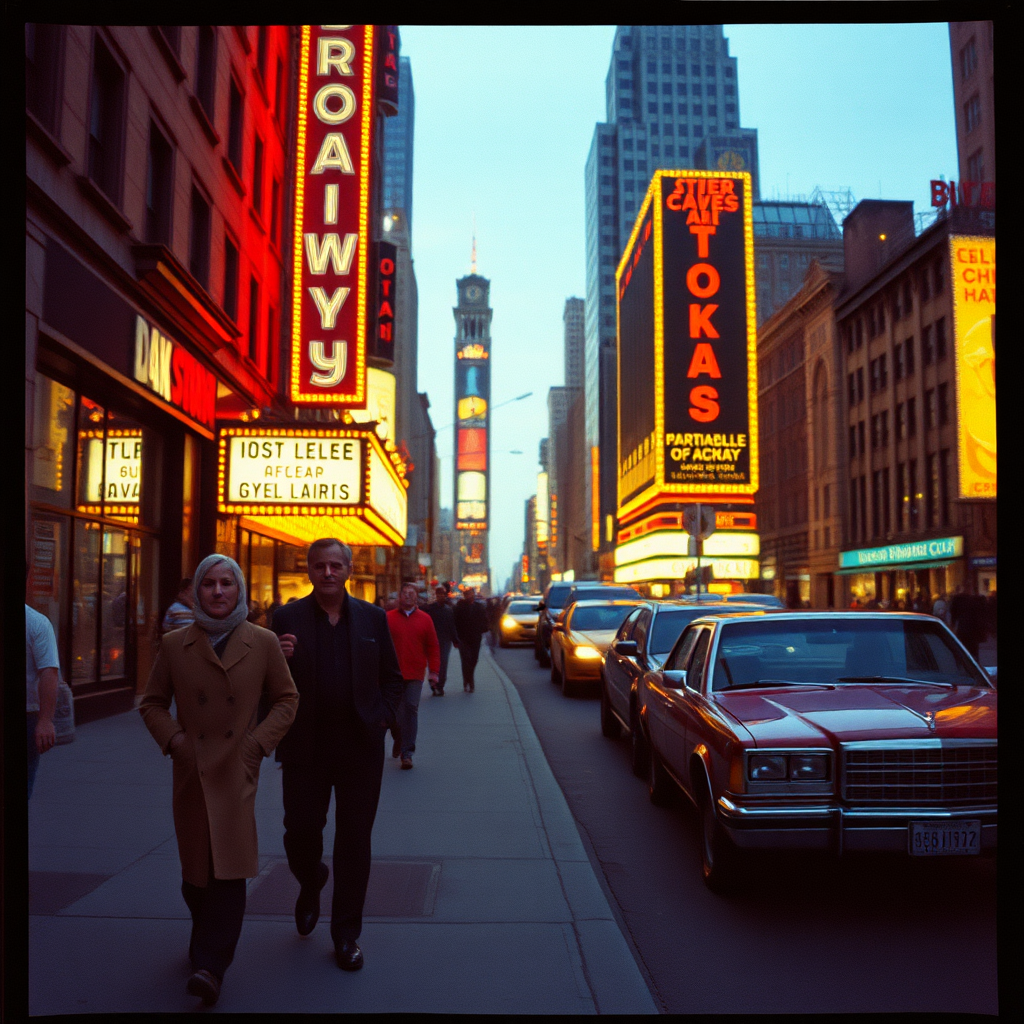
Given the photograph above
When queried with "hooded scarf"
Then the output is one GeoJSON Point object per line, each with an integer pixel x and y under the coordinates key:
{"type": "Point", "coordinates": [218, 629]}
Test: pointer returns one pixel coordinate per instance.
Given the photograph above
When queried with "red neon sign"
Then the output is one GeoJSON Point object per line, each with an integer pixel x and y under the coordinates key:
{"type": "Point", "coordinates": [334, 149]}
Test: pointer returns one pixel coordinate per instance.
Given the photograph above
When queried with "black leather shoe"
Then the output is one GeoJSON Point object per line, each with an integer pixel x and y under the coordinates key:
{"type": "Point", "coordinates": [307, 906]}
{"type": "Point", "coordinates": [349, 956]}
{"type": "Point", "coordinates": [204, 985]}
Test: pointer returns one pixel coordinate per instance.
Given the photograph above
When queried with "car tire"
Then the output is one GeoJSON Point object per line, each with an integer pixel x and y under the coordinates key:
{"type": "Point", "coordinates": [717, 854]}
{"type": "Point", "coordinates": [570, 687]}
{"type": "Point", "coordinates": [659, 785]}
{"type": "Point", "coordinates": [502, 642]}
{"type": "Point", "coordinates": [609, 723]}
{"type": "Point", "coordinates": [544, 658]}
{"type": "Point", "coordinates": [637, 745]}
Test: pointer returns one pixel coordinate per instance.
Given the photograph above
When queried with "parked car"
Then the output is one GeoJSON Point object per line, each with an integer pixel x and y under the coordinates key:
{"type": "Point", "coordinates": [824, 730]}
{"type": "Point", "coordinates": [641, 645]}
{"type": "Point", "coordinates": [580, 638]}
{"type": "Point", "coordinates": [518, 622]}
{"type": "Point", "coordinates": [768, 600]}
{"type": "Point", "coordinates": [548, 609]}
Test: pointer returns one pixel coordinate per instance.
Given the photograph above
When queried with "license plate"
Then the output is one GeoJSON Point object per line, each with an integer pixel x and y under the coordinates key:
{"type": "Point", "coordinates": [945, 838]}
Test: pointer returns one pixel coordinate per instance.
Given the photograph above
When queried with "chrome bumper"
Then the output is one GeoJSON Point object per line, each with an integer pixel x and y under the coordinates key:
{"type": "Point", "coordinates": [828, 827]}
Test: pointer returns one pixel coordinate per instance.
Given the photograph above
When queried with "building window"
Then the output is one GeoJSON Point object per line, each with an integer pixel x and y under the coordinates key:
{"type": "Point", "coordinates": [106, 121]}
{"type": "Point", "coordinates": [230, 302]}
{"type": "Point", "coordinates": [930, 418]}
{"type": "Point", "coordinates": [943, 400]}
{"type": "Point", "coordinates": [927, 348]}
{"type": "Point", "coordinates": [235, 120]}
{"type": "Point", "coordinates": [897, 361]}
{"type": "Point", "coordinates": [944, 486]}
{"type": "Point", "coordinates": [931, 504]}
{"type": "Point", "coordinates": [262, 50]}
{"type": "Point", "coordinates": [908, 346]}
{"type": "Point", "coordinates": [911, 417]}
{"type": "Point", "coordinates": [976, 166]}
{"type": "Point", "coordinates": [254, 321]}
{"type": "Point", "coordinates": [275, 214]}
{"type": "Point", "coordinates": [206, 69]}
{"type": "Point", "coordinates": [968, 60]}
{"type": "Point", "coordinates": [901, 421]}
{"type": "Point", "coordinates": [915, 496]}
{"type": "Point", "coordinates": [199, 238]}
{"type": "Point", "coordinates": [159, 187]}
{"type": "Point", "coordinates": [883, 428]}
{"type": "Point", "coordinates": [851, 383]}
{"type": "Point", "coordinates": [874, 432]}
{"type": "Point", "coordinates": [853, 511]}
{"type": "Point", "coordinates": [902, 498]}
{"type": "Point", "coordinates": [861, 446]}
{"type": "Point", "coordinates": [876, 503]}
{"type": "Point", "coordinates": [972, 113]}
{"type": "Point", "coordinates": [938, 277]}
{"type": "Point", "coordinates": [257, 176]}
{"type": "Point", "coordinates": [268, 365]}
{"type": "Point", "coordinates": [43, 63]}
{"type": "Point", "coordinates": [860, 383]}
{"type": "Point", "coordinates": [282, 91]}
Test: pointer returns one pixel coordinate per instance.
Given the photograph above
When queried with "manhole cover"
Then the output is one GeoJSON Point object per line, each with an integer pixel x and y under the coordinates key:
{"type": "Point", "coordinates": [396, 889]}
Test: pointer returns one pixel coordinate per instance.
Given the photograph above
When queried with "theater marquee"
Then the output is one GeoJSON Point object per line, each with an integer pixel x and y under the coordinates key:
{"type": "Point", "coordinates": [302, 482]}
{"type": "Point", "coordinates": [330, 256]}
{"type": "Point", "coordinates": [687, 366]}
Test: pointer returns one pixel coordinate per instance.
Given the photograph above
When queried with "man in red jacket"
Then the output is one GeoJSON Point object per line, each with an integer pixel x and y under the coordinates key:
{"type": "Point", "coordinates": [416, 644]}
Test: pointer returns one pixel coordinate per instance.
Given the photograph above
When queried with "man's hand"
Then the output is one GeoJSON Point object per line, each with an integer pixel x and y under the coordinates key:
{"type": "Point", "coordinates": [175, 742]}
{"type": "Point", "coordinates": [432, 677]}
{"type": "Point", "coordinates": [46, 735]}
{"type": "Point", "coordinates": [287, 642]}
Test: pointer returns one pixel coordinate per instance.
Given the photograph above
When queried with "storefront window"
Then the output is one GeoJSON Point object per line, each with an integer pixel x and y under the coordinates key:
{"type": "Point", "coordinates": [122, 468]}
{"type": "Point", "coordinates": [47, 589]}
{"type": "Point", "coordinates": [292, 579]}
{"type": "Point", "coordinates": [114, 612]}
{"type": "Point", "coordinates": [90, 456]}
{"type": "Point", "coordinates": [53, 431]}
{"type": "Point", "coordinates": [862, 588]}
{"type": "Point", "coordinates": [227, 537]}
{"type": "Point", "coordinates": [84, 603]}
{"type": "Point", "coordinates": [261, 570]}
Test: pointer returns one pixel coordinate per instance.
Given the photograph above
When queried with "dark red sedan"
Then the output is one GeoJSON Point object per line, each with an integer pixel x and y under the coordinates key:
{"type": "Point", "coordinates": [826, 731]}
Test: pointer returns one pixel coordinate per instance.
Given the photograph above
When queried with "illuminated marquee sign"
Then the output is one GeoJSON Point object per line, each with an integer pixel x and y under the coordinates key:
{"type": "Point", "coordinates": [380, 402]}
{"type": "Point", "coordinates": [676, 569]}
{"type": "Point", "coordinates": [112, 471]}
{"type": "Point", "coordinates": [170, 371]}
{"type": "Point", "coordinates": [472, 446]}
{"type": "Point", "coordinates": [541, 515]}
{"type": "Point", "coordinates": [687, 342]}
{"type": "Point", "coordinates": [974, 314]}
{"type": "Point", "coordinates": [334, 153]}
{"type": "Point", "coordinates": [281, 476]}
{"type": "Point", "coordinates": [942, 548]}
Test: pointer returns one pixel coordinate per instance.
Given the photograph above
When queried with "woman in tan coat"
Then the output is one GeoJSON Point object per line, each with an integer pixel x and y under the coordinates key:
{"type": "Point", "coordinates": [216, 671]}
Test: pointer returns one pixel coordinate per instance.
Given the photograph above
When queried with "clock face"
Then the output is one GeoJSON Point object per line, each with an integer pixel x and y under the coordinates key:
{"type": "Point", "coordinates": [473, 292]}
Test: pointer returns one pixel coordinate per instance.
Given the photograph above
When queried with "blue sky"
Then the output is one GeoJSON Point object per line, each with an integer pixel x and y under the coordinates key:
{"type": "Point", "coordinates": [504, 120]}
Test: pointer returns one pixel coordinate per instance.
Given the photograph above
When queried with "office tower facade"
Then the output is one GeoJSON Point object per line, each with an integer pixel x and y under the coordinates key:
{"type": "Point", "coordinates": [398, 141]}
{"type": "Point", "coordinates": [668, 87]}
{"type": "Point", "coordinates": [575, 335]}
{"type": "Point", "coordinates": [972, 53]}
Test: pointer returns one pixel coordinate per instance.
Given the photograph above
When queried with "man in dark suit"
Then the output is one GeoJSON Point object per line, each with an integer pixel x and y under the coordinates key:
{"type": "Point", "coordinates": [345, 668]}
{"type": "Point", "coordinates": [471, 624]}
{"type": "Point", "coordinates": [440, 611]}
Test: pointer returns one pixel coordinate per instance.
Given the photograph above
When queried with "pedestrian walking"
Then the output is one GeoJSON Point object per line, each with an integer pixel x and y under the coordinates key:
{"type": "Point", "coordinates": [42, 675]}
{"type": "Point", "coordinates": [180, 613]}
{"type": "Point", "coordinates": [967, 617]}
{"type": "Point", "coordinates": [471, 624]}
{"type": "Point", "coordinates": [440, 612]}
{"type": "Point", "coordinates": [345, 667]}
{"type": "Point", "coordinates": [493, 608]}
{"type": "Point", "coordinates": [216, 672]}
{"type": "Point", "coordinates": [940, 608]}
{"type": "Point", "coordinates": [415, 639]}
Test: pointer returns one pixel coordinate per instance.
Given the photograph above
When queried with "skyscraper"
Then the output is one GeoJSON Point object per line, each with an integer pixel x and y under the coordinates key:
{"type": "Point", "coordinates": [668, 87]}
{"type": "Point", "coordinates": [398, 138]}
{"type": "Point", "coordinates": [574, 320]}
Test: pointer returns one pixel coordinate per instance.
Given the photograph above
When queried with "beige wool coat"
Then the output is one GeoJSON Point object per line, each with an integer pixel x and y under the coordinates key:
{"type": "Point", "coordinates": [216, 767]}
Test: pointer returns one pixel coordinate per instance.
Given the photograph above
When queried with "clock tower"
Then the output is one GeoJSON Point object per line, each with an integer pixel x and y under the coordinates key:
{"type": "Point", "coordinates": [471, 473]}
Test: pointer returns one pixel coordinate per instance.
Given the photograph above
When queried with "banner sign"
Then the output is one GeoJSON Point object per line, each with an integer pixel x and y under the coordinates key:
{"type": "Point", "coordinates": [687, 341]}
{"type": "Point", "coordinates": [331, 254]}
{"type": "Point", "coordinates": [383, 348]}
{"type": "Point", "coordinates": [894, 554]}
{"type": "Point", "coordinates": [472, 444]}
{"type": "Point", "coordinates": [974, 314]}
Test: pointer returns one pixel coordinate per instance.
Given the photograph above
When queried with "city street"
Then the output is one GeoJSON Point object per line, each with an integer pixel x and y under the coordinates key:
{"type": "Point", "coordinates": [805, 935]}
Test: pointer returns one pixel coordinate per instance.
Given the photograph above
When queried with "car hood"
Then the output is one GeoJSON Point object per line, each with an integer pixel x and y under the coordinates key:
{"type": "Point", "coordinates": [599, 638]}
{"type": "Point", "coordinates": [529, 619]}
{"type": "Point", "coordinates": [862, 712]}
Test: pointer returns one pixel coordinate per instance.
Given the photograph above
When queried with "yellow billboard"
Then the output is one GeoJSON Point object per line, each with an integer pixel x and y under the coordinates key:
{"type": "Point", "coordinates": [974, 310]}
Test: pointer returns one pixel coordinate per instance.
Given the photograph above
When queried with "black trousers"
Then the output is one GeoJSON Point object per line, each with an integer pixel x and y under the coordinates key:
{"type": "Point", "coordinates": [352, 768]}
{"type": "Point", "coordinates": [217, 910]}
{"type": "Point", "coordinates": [469, 654]}
{"type": "Point", "coordinates": [442, 675]}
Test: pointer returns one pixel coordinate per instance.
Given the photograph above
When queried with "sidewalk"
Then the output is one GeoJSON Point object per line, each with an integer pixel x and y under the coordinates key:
{"type": "Point", "coordinates": [481, 898]}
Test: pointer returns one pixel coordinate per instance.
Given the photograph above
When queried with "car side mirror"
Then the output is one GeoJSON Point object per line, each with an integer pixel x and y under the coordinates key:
{"type": "Point", "coordinates": [627, 648]}
{"type": "Point", "coordinates": [675, 679]}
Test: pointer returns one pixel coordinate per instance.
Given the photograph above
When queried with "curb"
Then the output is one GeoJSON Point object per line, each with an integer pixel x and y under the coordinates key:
{"type": "Point", "coordinates": [614, 979]}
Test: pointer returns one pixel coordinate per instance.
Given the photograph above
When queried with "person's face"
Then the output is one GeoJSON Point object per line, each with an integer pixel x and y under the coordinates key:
{"type": "Point", "coordinates": [440, 595]}
{"type": "Point", "coordinates": [407, 598]}
{"type": "Point", "coordinates": [328, 572]}
{"type": "Point", "coordinates": [218, 591]}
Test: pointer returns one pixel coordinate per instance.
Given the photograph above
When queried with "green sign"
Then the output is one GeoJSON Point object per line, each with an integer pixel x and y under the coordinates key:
{"type": "Point", "coordinates": [941, 548]}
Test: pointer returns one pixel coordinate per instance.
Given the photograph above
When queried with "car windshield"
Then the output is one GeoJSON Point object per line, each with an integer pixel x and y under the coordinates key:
{"type": "Point", "coordinates": [557, 595]}
{"type": "Point", "coordinates": [521, 607]}
{"type": "Point", "coordinates": [841, 652]}
{"type": "Point", "coordinates": [670, 623]}
{"type": "Point", "coordinates": [606, 594]}
{"type": "Point", "coordinates": [609, 616]}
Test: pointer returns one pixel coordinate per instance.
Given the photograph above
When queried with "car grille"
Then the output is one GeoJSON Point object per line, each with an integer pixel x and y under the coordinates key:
{"type": "Point", "coordinates": [921, 776]}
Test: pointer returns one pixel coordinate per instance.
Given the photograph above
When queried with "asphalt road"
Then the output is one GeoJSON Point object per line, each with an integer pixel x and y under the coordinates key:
{"type": "Point", "coordinates": [804, 935]}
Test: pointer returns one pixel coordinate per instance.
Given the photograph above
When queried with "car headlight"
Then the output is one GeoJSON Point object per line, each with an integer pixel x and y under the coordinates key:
{"type": "Point", "coordinates": [587, 653]}
{"type": "Point", "coordinates": [508, 622]}
{"type": "Point", "coordinates": [794, 767]}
